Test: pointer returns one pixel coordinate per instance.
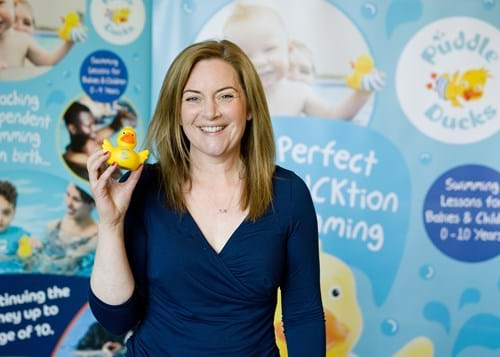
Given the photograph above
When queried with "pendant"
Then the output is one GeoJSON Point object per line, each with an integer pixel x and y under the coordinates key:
{"type": "Point", "coordinates": [222, 210]}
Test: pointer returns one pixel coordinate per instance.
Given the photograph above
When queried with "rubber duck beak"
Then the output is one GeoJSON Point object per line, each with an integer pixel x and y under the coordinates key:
{"type": "Point", "coordinates": [128, 138]}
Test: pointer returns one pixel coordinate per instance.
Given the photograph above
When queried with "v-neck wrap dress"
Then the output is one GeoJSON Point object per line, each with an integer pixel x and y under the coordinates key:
{"type": "Point", "coordinates": [190, 300]}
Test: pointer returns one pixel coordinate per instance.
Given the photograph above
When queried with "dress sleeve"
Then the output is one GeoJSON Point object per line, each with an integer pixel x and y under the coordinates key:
{"type": "Point", "coordinates": [118, 319]}
{"type": "Point", "coordinates": [303, 317]}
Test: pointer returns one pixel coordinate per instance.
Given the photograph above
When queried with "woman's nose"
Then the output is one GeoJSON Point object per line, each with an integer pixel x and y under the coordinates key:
{"type": "Point", "coordinates": [210, 109]}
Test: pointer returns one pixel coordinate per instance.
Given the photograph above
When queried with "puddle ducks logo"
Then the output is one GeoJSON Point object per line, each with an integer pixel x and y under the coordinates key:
{"type": "Point", "coordinates": [448, 80]}
{"type": "Point", "coordinates": [118, 16]}
{"type": "Point", "coordinates": [457, 88]}
{"type": "Point", "coordinates": [118, 21]}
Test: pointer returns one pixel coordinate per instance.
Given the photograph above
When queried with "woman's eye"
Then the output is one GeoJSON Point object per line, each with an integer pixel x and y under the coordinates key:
{"type": "Point", "coordinates": [192, 99]}
{"type": "Point", "coordinates": [226, 97]}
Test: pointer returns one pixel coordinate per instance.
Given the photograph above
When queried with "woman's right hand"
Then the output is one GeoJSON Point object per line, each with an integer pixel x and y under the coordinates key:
{"type": "Point", "coordinates": [111, 197]}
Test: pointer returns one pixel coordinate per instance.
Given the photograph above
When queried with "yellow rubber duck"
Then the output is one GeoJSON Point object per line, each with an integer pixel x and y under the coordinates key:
{"type": "Point", "coordinates": [24, 249]}
{"type": "Point", "coordinates": [70, 21]}
{"type": "Point", "coordinates": [123, 154]}
{"type": "Point", "coordinates": [342, 313]}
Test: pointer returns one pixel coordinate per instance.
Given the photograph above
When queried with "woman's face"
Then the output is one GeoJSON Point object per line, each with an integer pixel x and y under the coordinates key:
{"type": "Point", "coordinates": [214, 110]}
{"type": "Point", "coordinates": [76, 207]}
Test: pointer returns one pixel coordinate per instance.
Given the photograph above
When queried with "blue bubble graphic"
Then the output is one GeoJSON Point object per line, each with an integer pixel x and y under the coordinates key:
{"type": "Point", "coordinates": [369, 10]}
{"type": "Point", "coordinates": [49, 83]}
{"type": "Point", "coordinates": [469, 296]}
{"type": "Point", "coordinates": [66, 74]}
{"type": "Point", "coordinates": [56, 97]}
{"type": "Point", "coordinates": [188, 6]}
{"type": "Point", "coordinates": [425, 158]}
{"type": "Point", "coordinates": [103, 76]}
{"type": "Point", "coordinates": [489, 4]}
{"type": "Point", "coordinates": [389, 327]}
{"type": "Point", "coordinates": [436, 311]}
{"type": "Point", "coordinates": [136, 57]}
{"type": "Point", "coordinates": [400, 12]}
{"type": "Point", "coordinates": [137, 88]}
{"type": "Point", "coordinates": [462, 231]}
{"type": "Point", "coordinates": [427, 272]}
{"type": "Point", "coordinates": [481, 330]}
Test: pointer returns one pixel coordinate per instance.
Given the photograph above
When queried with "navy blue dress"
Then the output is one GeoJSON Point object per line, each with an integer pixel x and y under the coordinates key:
{"type": "Point", "coordinates": [191, 301]}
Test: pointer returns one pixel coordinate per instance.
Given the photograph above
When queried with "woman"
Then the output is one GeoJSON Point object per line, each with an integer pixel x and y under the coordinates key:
{"type": "Point", "coordinates": [71, 240]}
{"type": "Point", "coordinates": [192, 250]}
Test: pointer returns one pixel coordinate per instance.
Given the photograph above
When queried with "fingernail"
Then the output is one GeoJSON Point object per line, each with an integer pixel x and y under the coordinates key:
{"type": "Point", "coordinates": [106, 152]}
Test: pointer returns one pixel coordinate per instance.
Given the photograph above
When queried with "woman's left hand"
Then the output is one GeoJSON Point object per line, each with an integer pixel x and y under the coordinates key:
{"type": "Point", "coordinates": [112, 197]}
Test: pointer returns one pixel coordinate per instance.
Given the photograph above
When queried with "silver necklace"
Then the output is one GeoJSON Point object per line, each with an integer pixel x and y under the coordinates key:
{"type": "Point", "coordinates": [225, 209]}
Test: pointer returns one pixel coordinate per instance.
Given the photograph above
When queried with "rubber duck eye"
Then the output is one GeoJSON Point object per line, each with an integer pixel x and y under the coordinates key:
{"type": "Point", "coordinates": [335, 293]}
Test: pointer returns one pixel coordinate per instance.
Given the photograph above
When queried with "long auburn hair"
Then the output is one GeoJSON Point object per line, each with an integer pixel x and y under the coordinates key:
{"type": "Point", "coordinates": [169, 144]}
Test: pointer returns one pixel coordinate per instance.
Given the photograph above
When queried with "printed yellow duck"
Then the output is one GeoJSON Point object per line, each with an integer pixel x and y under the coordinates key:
{"type": "Point", "coordinates": [460, 88]}
{"type": "Point", "coordinates": [418, 347]}
{"type": "Point", "coordinates": [70, 21]}
{"type": "Point", "coordinates": [344, 321]}
{"type": "Point", "coordinates": [118, 16]}
{"type": "Point", "coordinates": [24, 249]}
{"type": "Point", "coordinates": [361, 67]}
{"type": "Point", "coordinates": [123, 154]}
{"type": "Point", "coordinates": [364, 76]}
{"type": "Point", "coordinates": [343, 315]}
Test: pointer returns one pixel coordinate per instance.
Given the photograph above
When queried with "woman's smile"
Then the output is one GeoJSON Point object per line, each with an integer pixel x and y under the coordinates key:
{"type": "Point", "coordinates": [212, 129]}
